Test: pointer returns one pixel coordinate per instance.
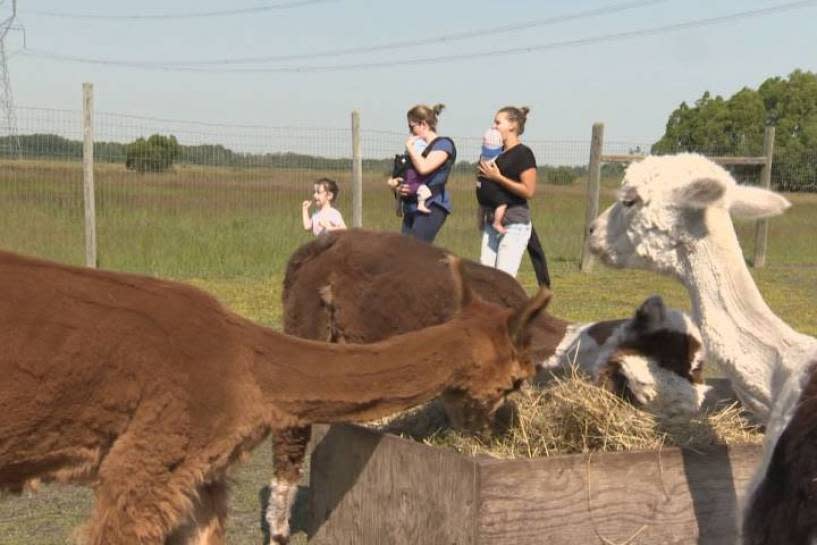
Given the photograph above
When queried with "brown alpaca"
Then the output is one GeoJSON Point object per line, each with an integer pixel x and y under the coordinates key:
{"type": "Point", "coordinates": [149, 390]}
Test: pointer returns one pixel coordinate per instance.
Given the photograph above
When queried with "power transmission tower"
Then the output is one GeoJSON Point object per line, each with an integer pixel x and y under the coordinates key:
{"type": "Point", "coordinates": [11, 146]}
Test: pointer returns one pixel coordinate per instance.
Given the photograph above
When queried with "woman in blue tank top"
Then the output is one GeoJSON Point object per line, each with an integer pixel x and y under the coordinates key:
{"type": "Point", "coordinates": [434, 163]}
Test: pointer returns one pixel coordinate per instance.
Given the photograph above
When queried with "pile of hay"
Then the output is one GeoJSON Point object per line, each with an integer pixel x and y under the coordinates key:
{"type": "Point", "coordinates": [569, 415]}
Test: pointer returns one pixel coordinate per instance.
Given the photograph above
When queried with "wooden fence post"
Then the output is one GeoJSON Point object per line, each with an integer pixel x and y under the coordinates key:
{"type": "Point", "coordinates": [357, 173]}
{"type": "Point", "coordinates": [762, 226]}
{"type": "Point", "coordinates": [592, 203]}
{"type": "Point", "coordinates": [88, 173]}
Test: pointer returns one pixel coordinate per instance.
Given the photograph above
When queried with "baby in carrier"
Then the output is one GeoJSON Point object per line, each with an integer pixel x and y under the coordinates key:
{"type": "Point", "coordinates": [489, 194]}
{"type": "Point", "coordinates": [403, 168]}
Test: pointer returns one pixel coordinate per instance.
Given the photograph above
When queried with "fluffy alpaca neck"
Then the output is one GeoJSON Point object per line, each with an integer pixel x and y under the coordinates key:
{"type": "Point", "coordinates": [741, 333]}
{"type": "Point", "coordinates": [317, 382]}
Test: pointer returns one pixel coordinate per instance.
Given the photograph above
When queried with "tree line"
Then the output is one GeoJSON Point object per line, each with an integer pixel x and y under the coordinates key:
{"type": "Point", "coordinates": [158, 153]}
{"type": "Point", "coordinates": [734, 126]}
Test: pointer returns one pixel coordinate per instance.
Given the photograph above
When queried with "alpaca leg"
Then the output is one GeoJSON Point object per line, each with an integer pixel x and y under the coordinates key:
{"type": "Point", "coordinates": [289, 449]}
{"type": "Point", "coordinates": [147, 481]}
{"type": "Point", "coordinates": [142, 516]}
{"type": "Point", "coordinates": [206, 527]}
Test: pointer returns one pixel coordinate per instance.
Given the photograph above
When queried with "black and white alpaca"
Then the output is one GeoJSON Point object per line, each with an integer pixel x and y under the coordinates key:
{"type": "Point", "coordinates": [654, 359]}
{"type": "Point", "coordinates": [673, 217]}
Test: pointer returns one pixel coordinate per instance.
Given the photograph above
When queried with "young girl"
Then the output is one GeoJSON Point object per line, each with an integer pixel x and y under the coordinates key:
{"type": "Point", "coordinates": [326, 218]}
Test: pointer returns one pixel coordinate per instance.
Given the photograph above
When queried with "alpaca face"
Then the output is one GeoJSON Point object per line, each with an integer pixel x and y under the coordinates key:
{"type": "Point", "coordinates": [655, 360]}
{"type": "Point", "coordinates": [473, 407]}
{"type": "Point", "coordinates": [503, 363]}
{"type": "Point", "coordinates": [667, 336]}
{"type": "Point", "coordinates": [500, 362]}
{"type": "Point", "coordinates": [630, 234]}
{"type": "Point", "coordinates": [659, 212]}
{"type": "Point", "coordinates": [667, 205]}
{"type": "Point", "coordinates": [644, 382]}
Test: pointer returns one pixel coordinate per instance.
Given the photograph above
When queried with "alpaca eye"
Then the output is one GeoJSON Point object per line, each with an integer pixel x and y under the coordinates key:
{"type": "Point", "coordinates": [627, 203]}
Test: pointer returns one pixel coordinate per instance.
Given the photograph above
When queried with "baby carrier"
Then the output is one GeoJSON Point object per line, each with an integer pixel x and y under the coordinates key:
{"type": "Point", "coordinates": [402, 162]}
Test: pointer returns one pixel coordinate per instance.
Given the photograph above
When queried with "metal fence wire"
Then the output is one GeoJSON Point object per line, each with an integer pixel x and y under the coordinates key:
{"type": "Point", "coordinates": [227, 201]}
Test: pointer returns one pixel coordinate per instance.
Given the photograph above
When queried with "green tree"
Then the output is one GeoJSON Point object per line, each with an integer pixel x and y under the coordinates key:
{"type": "Point", "coordinates": [716, 126]}
{"type": "Point", "coordinates": [156, 154]}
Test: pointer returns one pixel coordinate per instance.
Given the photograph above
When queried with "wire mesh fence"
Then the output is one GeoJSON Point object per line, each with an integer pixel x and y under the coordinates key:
{"type": "Point", "coordinates": [189, 199]}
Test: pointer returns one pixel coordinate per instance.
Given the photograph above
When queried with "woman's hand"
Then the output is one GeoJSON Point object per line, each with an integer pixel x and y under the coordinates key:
{"type": "Point", "coordinates": [489, 170]}
{"type": "Point", "coordinates": [398, 185]}
{"type": "Point", "coordinates": [306, 205]}
{"type": "Point", "coordinates": [410, 142]}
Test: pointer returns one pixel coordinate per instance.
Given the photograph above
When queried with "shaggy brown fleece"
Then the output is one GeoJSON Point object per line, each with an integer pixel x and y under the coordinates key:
{"type": "Point", "coordinates": [364, 286]}
{"type": "Point", "coordinates": [150, 389]}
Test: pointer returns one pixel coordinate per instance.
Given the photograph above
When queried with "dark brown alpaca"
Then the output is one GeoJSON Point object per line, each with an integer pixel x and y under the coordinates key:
{"type": "Point", "coordinates": [373, 285]}
{"type": "Point", "coordinates": [149, 390]}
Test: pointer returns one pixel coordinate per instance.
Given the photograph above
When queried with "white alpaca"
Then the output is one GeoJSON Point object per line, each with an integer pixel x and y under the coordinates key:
{"type": "Point", "coordinates": [673, 216]}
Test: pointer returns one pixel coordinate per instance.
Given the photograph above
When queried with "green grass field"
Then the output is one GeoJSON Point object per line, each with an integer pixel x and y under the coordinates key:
{"type": "Point", "coordinates": [230, 231]}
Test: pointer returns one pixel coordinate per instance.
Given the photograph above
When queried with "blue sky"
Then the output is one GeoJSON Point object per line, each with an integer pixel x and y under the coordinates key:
{"type": "Point", "coordinates": [632, 85]}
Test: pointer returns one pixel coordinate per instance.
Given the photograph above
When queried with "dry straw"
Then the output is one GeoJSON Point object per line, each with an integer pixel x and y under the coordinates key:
{"type": "Point", "coordinates": [568, 414]}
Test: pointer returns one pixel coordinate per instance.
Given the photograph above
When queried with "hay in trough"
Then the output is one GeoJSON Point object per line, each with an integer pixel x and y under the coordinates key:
{"type": "Point", "coordinates": [569, 415]}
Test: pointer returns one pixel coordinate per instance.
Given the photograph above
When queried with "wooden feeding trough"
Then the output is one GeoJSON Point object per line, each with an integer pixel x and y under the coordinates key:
{"type": "Point", "coordinates": [369, 488]}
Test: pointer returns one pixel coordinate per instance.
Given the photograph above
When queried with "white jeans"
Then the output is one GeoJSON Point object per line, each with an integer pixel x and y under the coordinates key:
{"type": "Point", "coordinates": [504, 252]}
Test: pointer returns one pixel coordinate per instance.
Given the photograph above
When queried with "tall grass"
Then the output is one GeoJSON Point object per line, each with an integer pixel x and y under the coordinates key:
{"type": "Point", "coordinates": [221, 222]}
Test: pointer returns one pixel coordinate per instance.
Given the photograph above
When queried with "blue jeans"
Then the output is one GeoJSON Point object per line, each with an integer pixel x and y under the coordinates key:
{"type": "Point", "coordinates": [424, 226]}
{"type": "Point", "coordinates": [504, 252]}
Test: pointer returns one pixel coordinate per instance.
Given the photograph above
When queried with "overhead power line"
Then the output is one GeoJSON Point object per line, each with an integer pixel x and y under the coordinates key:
{"type": "Point", "coordinates": [618, 36]}
{"type": "Point", "coordinates": [170, 15]}
{"type": "Point", "coordinates": [445, 38]}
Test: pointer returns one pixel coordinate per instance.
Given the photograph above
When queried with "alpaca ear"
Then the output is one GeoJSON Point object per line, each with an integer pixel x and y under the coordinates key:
{"type": "Point", "coordinates": [462, 291]}
{"type": "Point", "coordinates": [519, 321]}
{"type": "Point", "coordinates": [756, 203]}
{"type": "Point", "coordinates": [700, 193]}
{"type": "Point", "coordinates": [651, 314]}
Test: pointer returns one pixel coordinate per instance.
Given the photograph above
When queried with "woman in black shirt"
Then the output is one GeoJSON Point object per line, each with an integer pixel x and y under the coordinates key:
{"type": "Point", "coordinates": [511, 179]}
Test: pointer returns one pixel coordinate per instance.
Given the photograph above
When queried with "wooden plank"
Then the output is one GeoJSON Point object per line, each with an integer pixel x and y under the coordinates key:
{"type": "Point", "coordinates": [669, 497]}
{"type": "Point", "coordinates": [372, 489]}
{"type": "Point", "coordinates": [88, 173]}
{"type": "Point", "coordinates": [591, 209]}
{"type": "Point", "coordinates": [621, 158]}
{"type": "Point", "coordinates": [762, 226]}
{"type": "Point", "coordinates": [758, 161]}
{"type": "Point", "coordinates": [357, 173]}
